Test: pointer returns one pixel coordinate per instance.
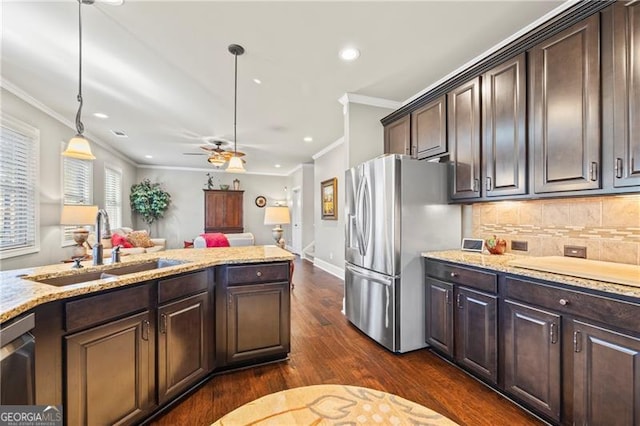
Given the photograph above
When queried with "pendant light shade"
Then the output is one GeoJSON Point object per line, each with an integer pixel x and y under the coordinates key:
{"type": "Point", "coordinates": [235, 163]}
{"type": "Point", "coordinates": [78, 146]}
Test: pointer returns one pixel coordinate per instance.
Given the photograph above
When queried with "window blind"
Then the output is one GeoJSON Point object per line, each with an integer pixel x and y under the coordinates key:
{"type": "Point", "coordinates": [113, 196]}
{"type": "Point", "coordinates": [78, 189]}
{"type": "Point", "coordinates": [19, 204]}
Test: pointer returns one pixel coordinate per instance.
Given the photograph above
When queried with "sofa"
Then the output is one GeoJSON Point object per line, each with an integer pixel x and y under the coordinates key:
{"type": "Point", "coordinates": [159, 244]}
{"type": "Point", "coordinates": [235, 240]}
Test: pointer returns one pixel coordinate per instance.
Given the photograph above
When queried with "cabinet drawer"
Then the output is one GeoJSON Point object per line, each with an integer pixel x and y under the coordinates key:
{"type": "Point", "coordinates": [103, 307]}
{"type": "Point", "coordinates": [182, 285]}
{"type": "Point", "coordinates": [480, 280]}
{"type": "Point", "coordinates": [259, 273]}
{"type": "Point", "coordinates": [617, 313]}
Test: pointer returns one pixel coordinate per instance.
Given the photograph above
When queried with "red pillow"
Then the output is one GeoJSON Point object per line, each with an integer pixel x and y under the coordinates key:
{"type": "Point", "coordinates": [120, 240]}
{"type": "Point", "coordinates": [215, 239]}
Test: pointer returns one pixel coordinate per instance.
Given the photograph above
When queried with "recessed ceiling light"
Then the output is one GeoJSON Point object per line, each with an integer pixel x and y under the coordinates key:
{"type": "Point", "coordinates": [278, 166]}
{"type": "Point", "coordinates": [257, 81]}
{"type": "Point", "coordinates": [119, 133]}
{"type": "Point", "coordinates": [308, 139]}
{"type": "Point", "coordinates": [100, 115]}
{"type": "Point", "coordinates": [148, 156]}
{"type": "Point", "coordinates": [349, 53]}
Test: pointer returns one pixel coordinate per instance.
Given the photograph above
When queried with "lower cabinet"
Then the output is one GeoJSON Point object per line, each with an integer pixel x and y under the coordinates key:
{"type": "Point", "coordinates": [183, 335]}
{"type": "Point", "coordinates": [440, 316]}
{"type": "Point", "coordinates": [606, 376]}
{"type": "Point", "coordinates": [111, 372]}
{"type": "Point", "coordinates": [532, 357]}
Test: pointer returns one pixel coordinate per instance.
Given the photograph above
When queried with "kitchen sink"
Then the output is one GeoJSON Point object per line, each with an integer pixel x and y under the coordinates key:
{"type": "Point", "coordinates": [112, 272]}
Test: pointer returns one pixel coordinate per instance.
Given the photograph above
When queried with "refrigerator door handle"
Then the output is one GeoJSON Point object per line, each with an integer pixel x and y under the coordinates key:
{"type": "Point", "coordinates": [371, 276]}
{"type": "Point", "coordinates": [364, 215]}
{"type": "Point", "coordinates": [359, 217]}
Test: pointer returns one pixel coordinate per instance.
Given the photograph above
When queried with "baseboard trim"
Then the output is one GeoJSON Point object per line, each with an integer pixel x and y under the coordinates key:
{"type": "Point", "coordinates": [330, 268]}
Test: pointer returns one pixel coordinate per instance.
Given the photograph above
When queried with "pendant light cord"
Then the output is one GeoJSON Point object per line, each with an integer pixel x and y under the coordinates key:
{"type": "Point", "coordinates": [79, 125]}
{"type": "Point", "coordinates": [235, 105]}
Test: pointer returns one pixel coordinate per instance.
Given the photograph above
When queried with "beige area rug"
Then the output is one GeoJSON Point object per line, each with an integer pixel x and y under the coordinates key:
{"type": "Point", "coordinates": [330, 405]}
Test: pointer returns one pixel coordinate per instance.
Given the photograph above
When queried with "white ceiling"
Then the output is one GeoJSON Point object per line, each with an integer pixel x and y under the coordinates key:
{"type": "Point", "coordinates": [162, 72]}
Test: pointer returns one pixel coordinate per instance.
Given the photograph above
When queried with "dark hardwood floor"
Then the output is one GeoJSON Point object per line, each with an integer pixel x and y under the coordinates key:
{"type": "Point", "coordinates": [325, 348]}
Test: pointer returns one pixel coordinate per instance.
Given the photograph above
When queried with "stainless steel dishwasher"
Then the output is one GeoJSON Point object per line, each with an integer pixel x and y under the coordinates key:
{"type": "Point", "coordinates": [17, 363]}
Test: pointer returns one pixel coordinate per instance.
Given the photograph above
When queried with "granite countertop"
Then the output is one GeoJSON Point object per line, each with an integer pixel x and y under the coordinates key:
{"type": "Point", "coordinates": [501, 263]}
{"type": "Point", "coordinates": [18, 293]}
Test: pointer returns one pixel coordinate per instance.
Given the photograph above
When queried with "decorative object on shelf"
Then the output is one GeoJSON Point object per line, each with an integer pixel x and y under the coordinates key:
{"type": "Point", "coordinates": [329, 199]}
{"type": "Point", "coordinates": [78, 146]}
{"type": "Point", "coordinates": [209, 181]}
{"type": "Point", "coordinates": [236, 184]}
{"type": "Point", "coordinates": [80, 216]}
{"type": "Point", "coordinates": [277, 216]}
{"type": "Point", "coordinates": [149, 200]}
{"type": "Point", "coordinates": [224, 187]}
{"type": "Point", "coordinates": [235, 162]}
{"type": "Point", "coordinates": [496, 245]}
{"type": "Point", "coordinates": [261, 201]}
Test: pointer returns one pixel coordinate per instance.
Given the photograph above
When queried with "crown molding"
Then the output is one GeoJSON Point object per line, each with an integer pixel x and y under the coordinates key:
{"type": "Point", "coordinates": [198, 169]}
{"type": "Point", "coordinates": [298, 167]}
{"type": "Point", "coordinates": [26, 97]}
{"type": "Point", "coordinates": [354, 98]}
{"type": "Point", "coordinates": [328, 148]}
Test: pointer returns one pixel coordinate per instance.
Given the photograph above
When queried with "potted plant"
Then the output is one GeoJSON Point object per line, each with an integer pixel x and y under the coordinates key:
{"type": "Point", "coordinates": [149, 200]}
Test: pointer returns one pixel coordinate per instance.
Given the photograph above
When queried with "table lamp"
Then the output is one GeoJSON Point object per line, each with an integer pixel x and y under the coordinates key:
{"type": "Point", "coordinates": [80, 216]}
{"type": "Point", "coordinates": [277, 216]}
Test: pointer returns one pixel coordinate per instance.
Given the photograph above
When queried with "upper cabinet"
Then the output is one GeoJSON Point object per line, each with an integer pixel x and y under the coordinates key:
{"type": "Point", "coordinates": [397, 137]}
{"type": "Point", "coordinates": [223, 211]}
{"type": "Point", "coordinates": [621, 89]}
{"type": "Point", "coordinates": [564, 75]}
{"type": "Point", "coordinates": [429, 129]}
{"type": "Point", "coordinates": [463, 120]}
{"type": "Point", "coordinates": [504, 107]}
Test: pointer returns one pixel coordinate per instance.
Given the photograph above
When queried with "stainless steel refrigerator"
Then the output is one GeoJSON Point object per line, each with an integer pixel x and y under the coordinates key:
{"type": "Point", "coordinates": [396, 208]}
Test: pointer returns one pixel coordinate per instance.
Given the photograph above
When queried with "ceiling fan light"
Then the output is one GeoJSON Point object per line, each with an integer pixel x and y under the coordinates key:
{"type": "Point", "coordinates": [217, 160]}
{"type": "Point", "coordinates": [78, 147]}
{"type": "Point", "coordinates": [235, 165]}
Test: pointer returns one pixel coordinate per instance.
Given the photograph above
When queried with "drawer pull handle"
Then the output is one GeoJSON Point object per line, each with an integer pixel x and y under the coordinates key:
{"type": "Point", "coordinates": [453, 274]}
{"type": "Point", "coordinates": [259, 273]}
{"type": "Point", "coordinates": [563, 302]}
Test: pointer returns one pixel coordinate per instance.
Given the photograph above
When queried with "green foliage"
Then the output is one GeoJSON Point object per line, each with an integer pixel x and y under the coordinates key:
{"type": "Point", "coordinates": [149, 200]}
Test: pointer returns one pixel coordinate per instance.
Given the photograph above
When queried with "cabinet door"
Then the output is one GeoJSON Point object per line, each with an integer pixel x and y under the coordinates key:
{"type": "Point", "coordinates": [429, 129]}
{"type": "Point", "coordinates": [626, 93]}
{"type": "Point", "coordinates": [396, 137]}
{"type": "Point", "coordinates": [606, 377]}
{"type": "Point", "coordinates": [504, 152]}
{"type": "Point", "coordinates": [532, 357]}
{"type": "Point", "coordinates": [183, 343]}
{"type": "Point", "coordinates": [223, 211]}
{"type": "Point", "coordinates": [258, 321]}
{"type": "Point", "coordinates": [439, 315]}
{"type": "Point", "coordinates": [476, 322]}
{"type": "Point", "coordinates": [110, 372]}
{"type": "Point", "coordinates": [233, 212]}
{"type": "Point", "coordinates": [565, 105]}
{"type": "Point", "coordinates": [463, 124]}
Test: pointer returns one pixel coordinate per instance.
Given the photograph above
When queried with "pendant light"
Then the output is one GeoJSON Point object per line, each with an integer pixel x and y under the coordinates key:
{"type": "Point", "coordinates": [235, 163]}
{"type": "Point", "coordinates": [78, 146]}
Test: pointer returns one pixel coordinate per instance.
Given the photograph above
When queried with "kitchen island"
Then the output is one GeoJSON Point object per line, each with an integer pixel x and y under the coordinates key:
{"type": "Point", "coordinates": [118, 343]}
{"type": "Point", "coordinates": [566, 347]}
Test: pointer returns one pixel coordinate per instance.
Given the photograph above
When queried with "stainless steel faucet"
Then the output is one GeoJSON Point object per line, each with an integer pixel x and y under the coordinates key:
{"type": "Point", "coordinates": [97, 247]}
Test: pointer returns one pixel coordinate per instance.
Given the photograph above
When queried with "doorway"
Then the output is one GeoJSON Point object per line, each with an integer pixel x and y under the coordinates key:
{"type": "Point", "coordinates": [296, 221]}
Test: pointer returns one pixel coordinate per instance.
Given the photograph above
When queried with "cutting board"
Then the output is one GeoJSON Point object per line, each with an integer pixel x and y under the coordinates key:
{"type": "Point", "coordinates": [618, 273]}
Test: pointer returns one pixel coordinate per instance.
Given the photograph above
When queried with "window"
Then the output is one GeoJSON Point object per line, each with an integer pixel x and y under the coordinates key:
{"type": "Point", "coordinates": [20, 152]}
{"type": "Point", "coordinates": [113, 196]}
{"type": "Point", "coordinates": [78, 189]}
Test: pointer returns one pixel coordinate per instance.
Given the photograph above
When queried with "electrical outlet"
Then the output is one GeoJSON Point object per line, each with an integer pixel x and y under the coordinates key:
{"type": "Point", "coordinates": [520, 245]}
{"type": "Point", "coordinates": [575, 251]}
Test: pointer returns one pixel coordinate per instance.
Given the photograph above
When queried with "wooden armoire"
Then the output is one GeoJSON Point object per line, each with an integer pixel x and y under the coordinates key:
{"type": "Point", "coordinates": [223, 211]}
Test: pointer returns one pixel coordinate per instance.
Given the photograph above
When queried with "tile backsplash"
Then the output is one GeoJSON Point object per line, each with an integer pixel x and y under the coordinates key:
{"type": "Point", "coordinates": [608, 226]}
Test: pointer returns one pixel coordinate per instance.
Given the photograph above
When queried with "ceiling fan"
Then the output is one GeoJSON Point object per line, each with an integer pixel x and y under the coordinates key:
{"type": "Point", "coordinates": [217, 156]}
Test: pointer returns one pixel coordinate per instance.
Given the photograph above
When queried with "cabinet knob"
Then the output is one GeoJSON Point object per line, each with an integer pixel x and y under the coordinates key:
{"type": "Point", "coordinates": [453, 274]}
{"type": "Point", "coordinates": [259, 273]}
{"type": "Point", "coordinates": [563, 302]}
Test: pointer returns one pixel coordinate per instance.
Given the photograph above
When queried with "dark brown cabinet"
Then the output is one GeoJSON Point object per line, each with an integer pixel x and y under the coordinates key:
{"type": "Point", "coordinates": [111, 372]}
{"type": "Point", "coordinates": [606, 376]}
{"type": "Point", "coordinates": [429, 129]}
{"type": "Point", "coordinates": [621, 87]}
{"type": "Point", "coordinates": [504, 107]}
{"type": "Point", "coordinates": [397, 137]}
{"type": "Point", "coordinates": [564, 73]}
{"type": "Point", "coordinates": [440, 315]}
{"type": "Point", "coordinates": [223, 211]}
{"type": "Point", "coordinates": [532, 357]}
{"type": "Point", "coordinates": [463, 135]}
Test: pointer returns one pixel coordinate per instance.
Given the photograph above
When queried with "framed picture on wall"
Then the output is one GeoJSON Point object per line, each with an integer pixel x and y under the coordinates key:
{"type": "Point", "coordinates": [329, 199]}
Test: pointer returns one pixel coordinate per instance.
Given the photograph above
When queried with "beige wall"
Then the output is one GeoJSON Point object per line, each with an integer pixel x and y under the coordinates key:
{"type": "Point", "coordinates": [363, 132]}
{"type": "Point", "coordinates": [608, 226]}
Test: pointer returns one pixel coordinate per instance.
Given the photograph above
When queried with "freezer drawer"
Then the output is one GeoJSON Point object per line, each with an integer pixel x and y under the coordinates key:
{"type": "Point", "coordinates": [370, 304]}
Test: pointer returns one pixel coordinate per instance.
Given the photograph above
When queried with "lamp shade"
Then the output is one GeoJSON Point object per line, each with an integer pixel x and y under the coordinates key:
{"type": "Point", "coordinates": [276, 215]}
{"type": "Point", "coordinates": [78, 215]}
{"type": "Point", "coordinates": [78, 147]}
{"type": "Point", "coordinates": [235, 165]}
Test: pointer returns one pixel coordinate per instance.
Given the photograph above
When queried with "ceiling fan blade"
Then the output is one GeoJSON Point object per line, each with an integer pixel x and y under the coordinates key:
{"type": "Point", "coordinates": [194, 153]}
